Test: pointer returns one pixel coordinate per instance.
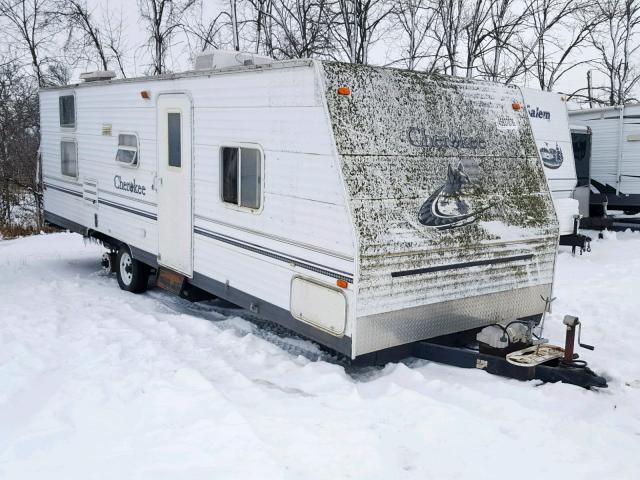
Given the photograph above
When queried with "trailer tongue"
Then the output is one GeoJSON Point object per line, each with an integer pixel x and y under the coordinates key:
{"type": "Point", "coordinates": [508, 354]}
{"type": "Point", "coordinates": [554, 370]}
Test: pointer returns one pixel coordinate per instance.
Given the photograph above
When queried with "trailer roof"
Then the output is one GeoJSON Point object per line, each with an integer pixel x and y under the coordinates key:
{"type": "Point", "coordinates": [277, 64]}
{"type": "Point", "coordinates": [586, 111]}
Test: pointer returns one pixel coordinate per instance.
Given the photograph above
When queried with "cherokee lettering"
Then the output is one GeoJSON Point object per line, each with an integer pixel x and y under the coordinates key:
{"type": "Point", "coordinates": [131, 186]}
{"type": "Point", "coordinates": [418, 137]}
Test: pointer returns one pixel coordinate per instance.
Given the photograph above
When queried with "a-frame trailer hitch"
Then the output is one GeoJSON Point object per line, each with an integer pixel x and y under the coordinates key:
{"type": "Point", "coordinates": [566, 369]}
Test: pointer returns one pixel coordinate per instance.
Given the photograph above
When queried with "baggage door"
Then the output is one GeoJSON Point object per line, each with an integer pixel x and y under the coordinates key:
{"type": "Point", "coordinates": [175, 220]}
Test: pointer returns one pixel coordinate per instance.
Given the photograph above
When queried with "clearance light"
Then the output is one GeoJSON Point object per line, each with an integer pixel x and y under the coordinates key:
{"type": "Point", "coordinates": [516, 106]}
{"type": "Point", "coordinates": [145, 94]}
{"type": "Point", "coordinates": [342, 283]}
{"type": "Point", "coordinates": [344, 91]}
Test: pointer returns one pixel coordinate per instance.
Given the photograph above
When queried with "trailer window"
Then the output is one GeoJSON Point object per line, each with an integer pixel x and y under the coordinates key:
{"type": "Point", "coordinates": [69, 158]}
{"type": "Point", "coordinates": [174, 139]}
{"type": "Point", "coordinates": [127, 149]}
{"type": "Point", "coordinates": [241, 176]}
{"type": "Point", "coordinates": [67, 105]}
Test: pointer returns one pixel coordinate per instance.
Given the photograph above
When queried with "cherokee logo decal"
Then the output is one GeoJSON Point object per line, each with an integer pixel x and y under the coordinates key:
{"type": "Point", "coordinates": [551, 157]}
{"type": "Point", "coordinates": [451, 206]}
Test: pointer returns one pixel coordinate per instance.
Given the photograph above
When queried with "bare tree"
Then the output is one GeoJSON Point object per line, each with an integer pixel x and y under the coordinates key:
{"type": "Point", "coordinates": [451, 18]}
{"type": "Point", "coordinates": [300, 28]}
{"type": "Point", "coordinates": [162, 18]}
{"type": "Point", "coordinates": [477, 31]}
{"type": "Point", "coordinates": [416, 20]}
{"type": "Point", "coordinates": [505, 57]}
{"type": "Point", "coordinates": [618, 45]}
{"type": "Point", "coordinates": [113, 38]}
{"type": "Point", "coordinates": [355, 26]}
{"type": "Point", "coordinates": [90, 39]}
{"type": "Point", "coordinates": [208, 32]}
{"type": "Point", "coordinates": [263, 25]}
{"type": "Point", "coordinates": [32, 26]}
{"type": "Point", "coordinates": [19, 138]}
{"type": "Point", "coordinates": [559, 29]}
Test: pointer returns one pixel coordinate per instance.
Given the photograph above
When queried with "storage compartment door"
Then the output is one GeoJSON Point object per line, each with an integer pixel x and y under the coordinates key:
{"type": "Point", "coordinates": [318, 305]}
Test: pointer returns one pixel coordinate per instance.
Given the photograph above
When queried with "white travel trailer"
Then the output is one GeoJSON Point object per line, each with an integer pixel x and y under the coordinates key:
{"type": "Point", "coordinates": [550, 124]}
{"type": "Point", "coordinates": [614, 169]}
{"type": "Point", "coordinates": [362, 207]}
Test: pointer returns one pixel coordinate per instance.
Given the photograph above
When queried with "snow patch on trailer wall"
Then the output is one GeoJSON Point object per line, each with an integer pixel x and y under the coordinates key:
{"type": "Point", "coordinates": [440, 172]}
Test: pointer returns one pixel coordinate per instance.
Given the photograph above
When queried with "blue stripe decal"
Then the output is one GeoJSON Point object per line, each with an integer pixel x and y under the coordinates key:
{"type": "Point", "coordinates": [298, 262]}
{"type": "Point", "coordinates": [135, 211]}
{"type": "Point", "coordinates": [107, 203]}
{"type": "Point", "coordinates": [63, 190]}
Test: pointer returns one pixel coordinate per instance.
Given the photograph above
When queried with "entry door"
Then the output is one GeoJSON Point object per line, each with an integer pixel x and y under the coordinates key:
{"type": "Point", "coordinates": [175, 220]}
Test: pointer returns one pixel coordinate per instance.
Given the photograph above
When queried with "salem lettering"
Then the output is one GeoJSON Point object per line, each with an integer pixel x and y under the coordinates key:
{"type": "Point", "coordinates": [418, 137]}
{"type": "Point", "coordinates": [131, 186]}
{"type": "Point", "coordinates": [537, 113]}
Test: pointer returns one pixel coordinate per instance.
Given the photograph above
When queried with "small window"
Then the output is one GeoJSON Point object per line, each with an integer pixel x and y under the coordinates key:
{"type": "Point", "coordinates": [67, 111]}
{"type": "Point", "coordinates": [241, 177]}
{"type": "Point", "coordinates": [174, 140]}
{"type": "Point", "coordinates": [69, 158]}
{"type": "Point", "coordinates": [127, 149]}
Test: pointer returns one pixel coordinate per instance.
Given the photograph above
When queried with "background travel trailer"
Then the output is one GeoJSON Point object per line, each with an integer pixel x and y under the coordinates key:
{"type": "Point", "coordinates": [361, 207]}
{"type": "Point", "coordinates": [550, 124]}
{"type": "Point", "coordinates": [614, 169]}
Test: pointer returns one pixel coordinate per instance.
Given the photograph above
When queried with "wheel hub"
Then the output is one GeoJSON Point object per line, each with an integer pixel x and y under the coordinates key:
{"type": "Point", "coordinates": [126, 268]}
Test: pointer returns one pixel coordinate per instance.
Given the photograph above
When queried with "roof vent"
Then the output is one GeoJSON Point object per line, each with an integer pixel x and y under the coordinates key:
{"type": "Point", "coordinates": [97, 75]}
{"type": "Point", "coordinates": [215, 59]}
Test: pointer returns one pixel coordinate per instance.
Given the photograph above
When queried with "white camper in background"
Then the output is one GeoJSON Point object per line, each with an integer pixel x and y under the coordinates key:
{"type": "Point", "coordinates": [362, 207]}
{"type": "Point", "coordinates": [615, 154]}
{"type": "Point", "coordinates": [550, 124]}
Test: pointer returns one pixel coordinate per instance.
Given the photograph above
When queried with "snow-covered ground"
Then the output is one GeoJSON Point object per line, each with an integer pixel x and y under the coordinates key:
{"type": "Point", "coordinates": [96, 383]}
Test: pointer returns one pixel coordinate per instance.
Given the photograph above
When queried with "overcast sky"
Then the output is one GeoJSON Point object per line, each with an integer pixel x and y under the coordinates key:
{"type": "Point", "coordinates": [138, 58]}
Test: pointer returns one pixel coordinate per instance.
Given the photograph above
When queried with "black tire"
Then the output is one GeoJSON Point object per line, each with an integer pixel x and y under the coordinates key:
{"type": "Point", "coordinates": [133, 275]}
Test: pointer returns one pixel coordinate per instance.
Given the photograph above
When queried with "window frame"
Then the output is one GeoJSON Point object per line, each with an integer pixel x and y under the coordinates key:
{"type": "Point", "coordinates": [68, 127]}
{"type": "Point", "coordinates": [75, 142]}
{"type": "Point", "coordinates": [124, 147]}
{"type": "Point", "coordinates": [237, 206]}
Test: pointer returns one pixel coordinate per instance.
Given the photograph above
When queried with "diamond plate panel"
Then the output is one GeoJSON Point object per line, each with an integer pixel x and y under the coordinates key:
{"type": "Point", "coordinates": [385, 330]}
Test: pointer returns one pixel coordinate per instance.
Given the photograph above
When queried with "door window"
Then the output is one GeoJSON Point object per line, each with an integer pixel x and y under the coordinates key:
{"type": "Point", "coordinates": [174, 139]}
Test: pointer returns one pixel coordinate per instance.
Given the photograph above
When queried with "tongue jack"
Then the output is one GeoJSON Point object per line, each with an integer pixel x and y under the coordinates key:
{"type": "Point", "coordinates": [573, 324]}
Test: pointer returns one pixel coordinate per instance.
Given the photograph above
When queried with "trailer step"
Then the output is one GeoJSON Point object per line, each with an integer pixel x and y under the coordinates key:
{"type": "Point", "coordinates": [178, 284]}
{"type": "Point", "coordinates": [170, 281]}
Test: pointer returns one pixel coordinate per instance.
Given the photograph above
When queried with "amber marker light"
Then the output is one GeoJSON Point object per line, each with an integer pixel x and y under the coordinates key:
{"type": "Point", "coordinates": [344, 91]}
{"type": "Point", "coordinates": [516, 106]}
{"type": "Point", "coordinates": [342, 283]}
{"type": "Point", "coordinates": [145, 94]}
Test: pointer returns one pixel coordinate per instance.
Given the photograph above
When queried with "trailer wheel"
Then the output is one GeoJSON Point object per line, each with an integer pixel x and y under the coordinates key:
{"type": "Point", "coordinates": [133, 275]}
